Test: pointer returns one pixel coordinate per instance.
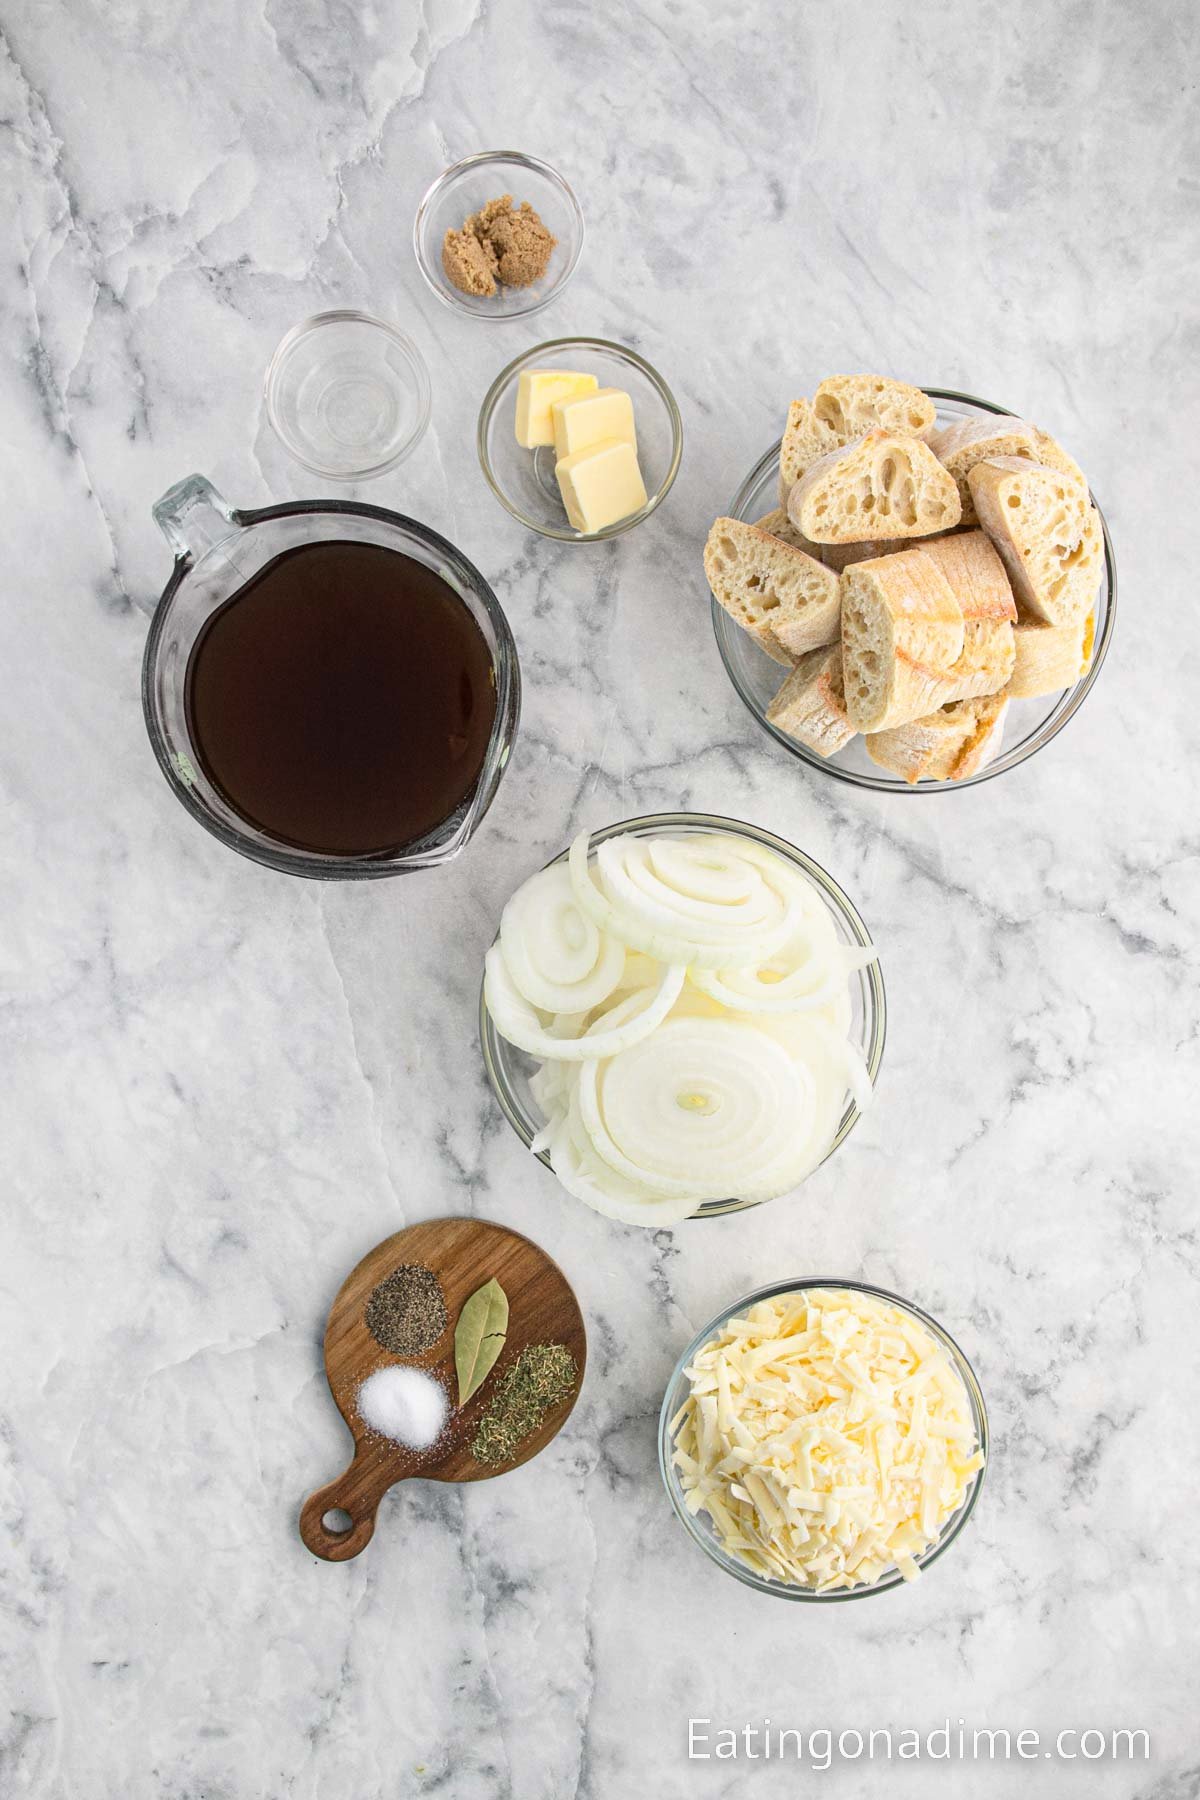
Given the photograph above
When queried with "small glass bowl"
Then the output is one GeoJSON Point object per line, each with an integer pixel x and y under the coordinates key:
{"type": "Point", "coordinates": [464, 189]}
{"type": "Point", "coordinates": [699, 1526]}
{"type": "Point", "coordinates": [509, 1069]}
{"type": "Point", "coordinates": [347, 395]}
{"type": "Point", "coordinates": [1030, 724]}
{"type": "Point", "coordinates": [523, 480]}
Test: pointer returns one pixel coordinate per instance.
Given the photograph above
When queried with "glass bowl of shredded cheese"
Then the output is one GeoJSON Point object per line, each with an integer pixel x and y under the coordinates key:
{"type": "Point", "coordinates": [823, 1440]}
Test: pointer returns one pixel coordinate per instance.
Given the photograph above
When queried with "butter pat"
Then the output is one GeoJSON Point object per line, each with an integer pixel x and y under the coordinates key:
{"type": "Point", "coordinates": [601, 485]}
{"type": "Point", "coordinates": [537, 391]}
{"type": "Point", "coordinates": [591, 418]}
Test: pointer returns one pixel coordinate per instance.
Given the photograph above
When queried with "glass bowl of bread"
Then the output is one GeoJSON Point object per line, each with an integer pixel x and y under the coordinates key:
{"type": "Point", "coordinates": [580, 439]}
{"type": "Point", "coordinates": [681, 1016]}
{"type": "Point", "coordinates": [914, 590]}
{"type": "Point", "coordinates": [809, 1482]}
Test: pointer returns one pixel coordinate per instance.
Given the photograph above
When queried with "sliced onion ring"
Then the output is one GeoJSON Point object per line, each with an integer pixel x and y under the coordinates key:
{"type": "Point", "coordinates": [517, 1021]}
{"type": "Point", "coordinates": [583, 1174]}
{"type": "Point", "coordinates": [703, 1105]}
{"type": "Point", "coordinates": [556, 956]}
{"type": "Point", "coordinates": [649, 923]}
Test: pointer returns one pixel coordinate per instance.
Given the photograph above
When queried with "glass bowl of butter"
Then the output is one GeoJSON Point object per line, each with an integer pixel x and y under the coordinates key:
{"type": "Point", "coordinates": [580, 439]}
{"type": "Point", "coordinates": [823, 1440]}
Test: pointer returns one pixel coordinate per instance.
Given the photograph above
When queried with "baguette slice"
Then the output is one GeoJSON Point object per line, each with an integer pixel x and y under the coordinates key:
{"type": "Point", "coordinates": [976, 574]}
{"type": "Point", "coordinates": [1049, 657]}
{"type": "Point", "coordinates": [976, 578]}
{"type": "Point", "coordinates": [979, 583]}
{"type": "Point", "coordinates": [846, 407]}
{"type": "Point", "coordinates": [811, 704]}
{"type": "Point", "coordinates": [784, 597]}
{"type": "Point", "coordinates": [902, 631]}
{"type": "Point", "coordinates": [840, 556]}
{"type": "Point", "coordinates": [985, 666]}
{"type": "Point", "coordinates": [882, 481]}
{"type": "Point", "coordinates": [949, 745]}
{"type": "Point", "coordinates": [779, 525]}
{"type": "Point", "coordinates": [852, 405]}
{"type": "Point", "coordinates": [805, 438]}
{"type": "Point", "coordinates": [1046, 529]}
{"type": "Point", "coordinates": [1052, 456]}
{"type": "Point", "coordinates": [969, 441]}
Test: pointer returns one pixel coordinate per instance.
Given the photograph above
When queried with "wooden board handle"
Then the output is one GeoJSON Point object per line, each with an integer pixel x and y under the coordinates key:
{"type": "Point", "coordinates": [357, 1492]}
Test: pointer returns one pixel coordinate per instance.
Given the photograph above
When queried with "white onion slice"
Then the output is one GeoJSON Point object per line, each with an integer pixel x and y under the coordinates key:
{"type": "Point", "coordinates": [698, 887]}
{"type": "Point", "coordinates": [807, 975]}
{"type": "Point", "coordinates": [556, 956]}
{"type": "Point", "coordinates": [850, 1060]}
{"type": "Point", "coordinates": [703, 1106]}
{"type": "Point", "coordinates": [584, 1175]}
{"type": "Point", "coordinates": [542, 1140]}
{"type": "Point", "coordinates": [802, 977]}
{"type": "Point", "coordinates": [516, 1020]}
{"type": "Point", "coordinates": [634, 904]}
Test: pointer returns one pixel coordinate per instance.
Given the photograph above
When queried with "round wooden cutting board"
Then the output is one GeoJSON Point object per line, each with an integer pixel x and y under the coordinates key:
{"type": "Point", "coordinates": [463, 1254]}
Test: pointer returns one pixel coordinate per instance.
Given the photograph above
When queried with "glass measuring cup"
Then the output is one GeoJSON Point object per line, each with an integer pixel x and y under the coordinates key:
{"type": "Point", "coordinates": [218, 548]}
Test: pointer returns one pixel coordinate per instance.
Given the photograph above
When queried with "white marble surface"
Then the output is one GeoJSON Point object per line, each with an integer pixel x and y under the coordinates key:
{"type": "Point", "coordinates": [220, 1087]}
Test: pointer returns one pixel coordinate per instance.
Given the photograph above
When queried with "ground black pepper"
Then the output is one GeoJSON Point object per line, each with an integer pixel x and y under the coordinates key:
{"type": "Point", "coordinates": [406, 1313]}
{"type": "Point", "coordinates": [542, 1375]}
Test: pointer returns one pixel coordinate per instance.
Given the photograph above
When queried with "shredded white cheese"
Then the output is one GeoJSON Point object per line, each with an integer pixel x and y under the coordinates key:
{"type": "Point", "coordinates": [828, 1436]}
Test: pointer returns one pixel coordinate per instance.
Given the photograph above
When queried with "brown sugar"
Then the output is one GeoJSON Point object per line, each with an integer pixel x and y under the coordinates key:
{"type": "Point", "coordinates": [469, 264]}
{"type": "Point", "coordinates": [498, 244]}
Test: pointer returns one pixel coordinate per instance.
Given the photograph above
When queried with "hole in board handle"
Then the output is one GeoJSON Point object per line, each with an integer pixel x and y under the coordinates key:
{"type": "Point", "coordinates": [337, 1522]}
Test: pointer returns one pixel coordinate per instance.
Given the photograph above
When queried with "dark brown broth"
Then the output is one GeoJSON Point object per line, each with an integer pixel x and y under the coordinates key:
{"type": "Point", "coordinates": [342, 700]}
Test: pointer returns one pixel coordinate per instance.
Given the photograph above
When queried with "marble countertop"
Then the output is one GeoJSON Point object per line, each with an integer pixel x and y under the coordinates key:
{"type": "Point", "coordinates": [222, 1086]}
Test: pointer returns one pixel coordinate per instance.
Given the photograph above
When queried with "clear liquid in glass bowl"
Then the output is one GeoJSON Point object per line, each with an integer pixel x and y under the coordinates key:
{"type": "Point", "coordinates": [1030, 724]}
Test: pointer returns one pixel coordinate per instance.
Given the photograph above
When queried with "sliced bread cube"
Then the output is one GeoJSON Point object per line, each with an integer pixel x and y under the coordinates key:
{"type": "Point", "coordinates": [985, 667]}
{"type": "Point", "coordinates": [805, 438]}
{"type": "Point", "coordinates": [1049, 658]}
{"type": "Point", "coordinates": [811, 704]}
{"type": "Point", "coordinates": [884, 484]}
{"type": "Point", "coordinates": [981, 586]}
{"type": "Point", "coordinates": [846, 407]}
{"type": "Point", "coordinates": [969, 561]}
{"type": "Point", "coordinates": [852, 405]}
{"type": "Point", "coordinates": [902, 631]}
{"type": "Point", "coordinates": [1052, 456]}
{"type": "Point", "coordinates": [1047, 531]}
{"type": "Point", "coordinates": [976, 578]}
{"type": "Point", "coordinates": [969, 441]}
{"type": "Point", "coordinates": [840, 556]}
{"type": "Point", "coordinates": [949, 745]}
{"type": "Point", "coordinates": [779, 525]}
{"type": "Point", "coordinates": [781, 595]}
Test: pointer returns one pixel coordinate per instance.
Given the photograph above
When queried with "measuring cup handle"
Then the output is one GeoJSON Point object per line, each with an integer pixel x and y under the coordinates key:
{"type": "Point", "coordinates": [357, 1492]}
{"type": "Point", "coordinates": [192, 516]}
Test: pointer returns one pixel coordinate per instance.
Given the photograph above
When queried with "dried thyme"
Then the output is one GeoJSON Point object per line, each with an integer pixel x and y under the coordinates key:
{"type": "Point", "coordinates": [542, 1375]}
{"type": "Point", "coordinates": [406, 1313]}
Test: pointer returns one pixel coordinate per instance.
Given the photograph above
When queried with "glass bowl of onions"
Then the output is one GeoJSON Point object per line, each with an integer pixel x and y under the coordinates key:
{"type": "Point", "coordinates": [682, 1016]}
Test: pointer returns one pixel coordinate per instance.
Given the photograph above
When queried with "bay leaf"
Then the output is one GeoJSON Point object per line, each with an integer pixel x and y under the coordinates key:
{"type": "Point", "coordinates": [479, 1337]}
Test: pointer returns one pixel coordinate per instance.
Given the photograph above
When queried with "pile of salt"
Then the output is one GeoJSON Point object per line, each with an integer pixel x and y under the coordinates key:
{"type": "Point", "coordinates": [405, 1405]}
